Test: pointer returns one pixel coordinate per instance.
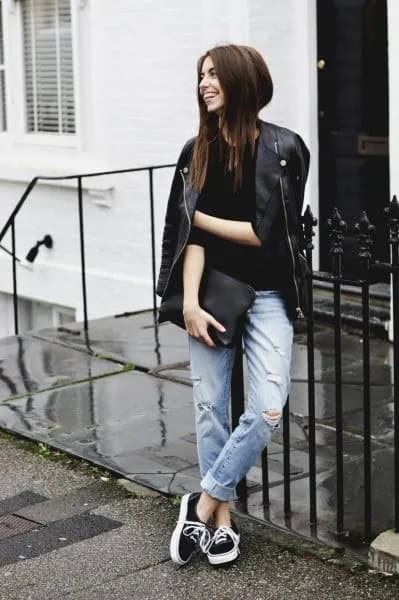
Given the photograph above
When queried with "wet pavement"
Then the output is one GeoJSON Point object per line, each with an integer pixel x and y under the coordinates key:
{"type": "Point", "coordinates": [84, 396]}
{"type": "Point", "coordinates": [28, 365]}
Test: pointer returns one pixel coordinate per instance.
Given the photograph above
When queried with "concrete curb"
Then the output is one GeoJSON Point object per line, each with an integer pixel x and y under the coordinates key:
{"type": "Point", "coordinates": [384, 552]}
{"type": "Point", "coordinates": [137, 489]}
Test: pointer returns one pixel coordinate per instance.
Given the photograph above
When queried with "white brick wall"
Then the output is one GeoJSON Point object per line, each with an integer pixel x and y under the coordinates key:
{"type": "Point", "coordinates": [137, 105]}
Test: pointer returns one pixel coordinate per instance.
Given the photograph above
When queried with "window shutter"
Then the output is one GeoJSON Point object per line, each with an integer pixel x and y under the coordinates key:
{"type": "Point", "coordinates": [3, 114]}
{"type": "Point", "coordinates": [49, 85]}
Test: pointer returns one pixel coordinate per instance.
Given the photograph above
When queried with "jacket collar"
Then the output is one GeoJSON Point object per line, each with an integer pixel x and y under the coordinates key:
{"type": "Point", "coordinates": [267, 171]}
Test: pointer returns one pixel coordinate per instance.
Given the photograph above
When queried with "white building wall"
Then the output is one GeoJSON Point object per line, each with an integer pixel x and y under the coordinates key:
{"type": "Point", "coordinates": [136, 77]}
{"type": "Point", "coordinates": [286, 35]}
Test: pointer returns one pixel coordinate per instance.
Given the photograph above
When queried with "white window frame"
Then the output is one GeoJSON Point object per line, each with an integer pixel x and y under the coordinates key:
{"type": "Point", "coordinates": [54, 140]}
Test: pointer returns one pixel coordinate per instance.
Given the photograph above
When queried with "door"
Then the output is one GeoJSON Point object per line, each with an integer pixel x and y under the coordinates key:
{"type": "Point", "coordinates": [353, 121]}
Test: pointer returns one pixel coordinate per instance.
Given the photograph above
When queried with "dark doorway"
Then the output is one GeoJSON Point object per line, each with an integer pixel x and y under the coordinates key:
{"type": "Point", "coordinates": [353, 120]}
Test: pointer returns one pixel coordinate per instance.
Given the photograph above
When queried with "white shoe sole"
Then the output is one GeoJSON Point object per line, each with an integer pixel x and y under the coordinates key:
{"type": "Point", "coordinates": [224, 558]}
{"type": "Point", "coordinates": [174, 541]}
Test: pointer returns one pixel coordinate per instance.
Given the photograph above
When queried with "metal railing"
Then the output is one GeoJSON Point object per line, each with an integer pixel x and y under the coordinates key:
{"type": "Point", "coordinates": [10, 226]}
{"type": "Point", "coordinates": [336, 229]}
{"type": "Point", "coordinates": [364, 231]}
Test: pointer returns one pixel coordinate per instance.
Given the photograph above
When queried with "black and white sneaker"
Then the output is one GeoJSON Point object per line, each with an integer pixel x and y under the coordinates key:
{"type": "Point", "coordinates": [224, 548]}
{"type": "Point", "coordinates": [189, 532]}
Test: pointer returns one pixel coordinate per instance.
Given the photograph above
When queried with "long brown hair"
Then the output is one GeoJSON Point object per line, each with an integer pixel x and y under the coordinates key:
{"type": "Point", "coordinates": [247, 86]}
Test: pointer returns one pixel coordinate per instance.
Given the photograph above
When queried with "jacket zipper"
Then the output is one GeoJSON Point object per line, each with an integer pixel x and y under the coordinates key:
{"type": "Point", "coordinates": [188, 234]}
{"type": "Point", "coordinates": [298, 309]}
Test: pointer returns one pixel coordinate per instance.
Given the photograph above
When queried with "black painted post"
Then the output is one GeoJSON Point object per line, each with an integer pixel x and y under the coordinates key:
{"type": "Point", "coordinates": [14, 278]}
{"type": "Point", "coordinates": [154, 294]}
{"type": "Point", "coordinates": [237, 401]}
{"type": "Point", "coordinates": [337, 226]}
{"type": "Point", "coordinates": [265, 478]}
{"type": "Point", "coordinates": [365, 232]}
{"type": "Point", "coordinates": [286, 459]}
{"type": "Point", "coordinates": [82, 255]}
{"type": "Point", "coordinates": [393, 218]}
{"type": "Point", "coordinates": [309, 222]}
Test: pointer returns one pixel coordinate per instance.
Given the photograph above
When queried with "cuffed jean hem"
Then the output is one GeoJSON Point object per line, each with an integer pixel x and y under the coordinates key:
{"type": "Point", "coordinates": [216, 490]}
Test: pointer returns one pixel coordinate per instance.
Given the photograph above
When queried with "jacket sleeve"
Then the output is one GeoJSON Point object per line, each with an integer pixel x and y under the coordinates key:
{"type": "Point", "coordinates": [198, 236]}
{"type": "Point", "coordinates": [171, 224]}
{"type": "Point", "coordinates": [302, 170]}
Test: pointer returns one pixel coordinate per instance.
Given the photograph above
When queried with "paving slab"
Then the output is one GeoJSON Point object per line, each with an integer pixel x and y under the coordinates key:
{"type": "Point", "coordinates": [352, 399]}
{"type": "Point", "coordinates": [136, 338]}
{"type": "Point", "coordinates": [133, 338]}
{"type": "Point", "coordinates": [130, 423]}
{"type": "Point", "coordinates": [20, 501]}
{"type": "Point", "coordinates": [352, 357]}
{"type": "Point", "coordinates": [66, 506]}
{"type": "Point", "coordinates": [60, 533]}
{"type": "Point", "coordinates": [381, 421]}
{"type": "Point", "coordinates": [28, 365]}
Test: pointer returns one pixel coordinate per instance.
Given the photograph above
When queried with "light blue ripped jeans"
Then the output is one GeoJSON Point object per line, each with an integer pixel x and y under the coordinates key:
{"type": "Point", "coordinates": [224, 456]}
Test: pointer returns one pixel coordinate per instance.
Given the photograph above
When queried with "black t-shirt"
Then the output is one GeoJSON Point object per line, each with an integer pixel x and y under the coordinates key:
{"type": "Point", "coordinates": [244, 262]}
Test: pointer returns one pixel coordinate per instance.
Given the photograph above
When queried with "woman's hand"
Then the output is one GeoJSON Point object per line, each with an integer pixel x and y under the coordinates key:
{"type": "Point", "coordinates": [197, 321]}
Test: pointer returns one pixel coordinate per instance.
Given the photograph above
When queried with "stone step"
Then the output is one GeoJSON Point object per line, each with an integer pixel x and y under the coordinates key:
{"type": "Point", "coordinates": [67, 506]}
{"type": "Point", "coordinates": [351, 306]}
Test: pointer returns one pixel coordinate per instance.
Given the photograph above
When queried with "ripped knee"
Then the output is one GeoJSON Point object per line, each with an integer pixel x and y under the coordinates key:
{"type": "Point", "coordinates": [272, 417]}
{"type": "Point", "coordinates": [201, 403]}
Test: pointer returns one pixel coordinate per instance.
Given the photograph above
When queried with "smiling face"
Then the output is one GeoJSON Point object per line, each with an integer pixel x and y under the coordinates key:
{"type": "Point", "coordinates": [210, 88]}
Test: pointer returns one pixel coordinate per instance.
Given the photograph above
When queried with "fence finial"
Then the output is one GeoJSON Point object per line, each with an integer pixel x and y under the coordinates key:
{"type": "Point", "coordinates": [392, 211]}
{"type": "Point", "coordinates": [308, 221]}
{"type": "Point", "coordinates": [336, 226]}
{"type": "Point", "coordinates": [365, 231]}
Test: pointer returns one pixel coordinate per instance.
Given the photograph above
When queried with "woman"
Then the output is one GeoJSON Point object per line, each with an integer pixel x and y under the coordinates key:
{"type": "Point", "coordinates": [235, 204]}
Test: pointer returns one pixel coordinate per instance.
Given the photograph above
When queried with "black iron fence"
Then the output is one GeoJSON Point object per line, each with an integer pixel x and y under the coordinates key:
{"type": "Point", "coordinates": [365, 233]}
{"type": "Point", "coordinates": [336, 229]}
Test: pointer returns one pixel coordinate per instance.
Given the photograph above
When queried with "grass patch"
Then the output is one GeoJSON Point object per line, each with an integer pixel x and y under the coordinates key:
{"type": "Point", "coordinates": [174, 500]}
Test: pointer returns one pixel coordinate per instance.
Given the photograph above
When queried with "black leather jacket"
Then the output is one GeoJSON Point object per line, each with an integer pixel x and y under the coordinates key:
{"type": "Point", "coordinates": [282, 166]}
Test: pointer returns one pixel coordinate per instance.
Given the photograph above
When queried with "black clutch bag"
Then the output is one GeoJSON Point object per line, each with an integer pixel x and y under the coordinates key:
{"type": "Point", "coordinates": [224, 297]}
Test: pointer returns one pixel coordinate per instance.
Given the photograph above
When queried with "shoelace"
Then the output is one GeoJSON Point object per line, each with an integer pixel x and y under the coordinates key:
{"type": "Point", "coordinates": [223, 533]}
{"type": "Point", "coordinates": [196, 532]}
